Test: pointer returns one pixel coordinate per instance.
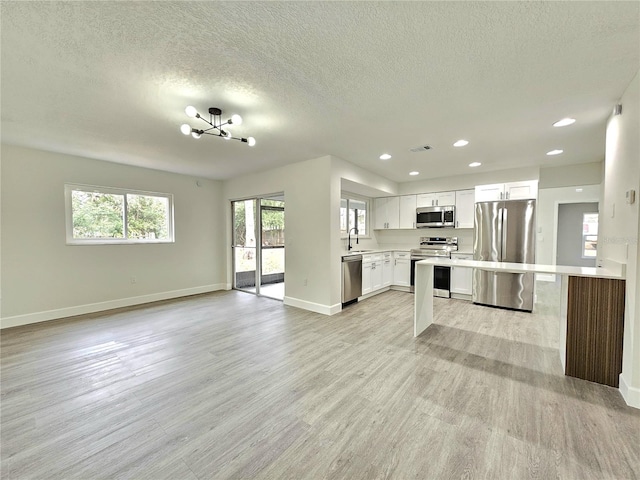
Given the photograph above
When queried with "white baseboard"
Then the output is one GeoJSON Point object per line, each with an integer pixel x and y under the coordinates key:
{"type": "Point", "coordinates": [17, 320]}
{"type": "Point", "coordinates": [313, 307]}
{"type": "Point", "coordinates": [631, 395]}
{"type": "Point", "coordinates": [400, 288]}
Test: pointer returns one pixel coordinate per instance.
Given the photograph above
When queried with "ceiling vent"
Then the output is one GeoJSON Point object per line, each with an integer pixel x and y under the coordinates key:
{"type": "Point", "coordinates": [421, 148]}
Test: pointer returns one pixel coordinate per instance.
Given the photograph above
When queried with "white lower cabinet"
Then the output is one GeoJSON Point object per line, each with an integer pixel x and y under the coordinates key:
{"type": "Point", "coordinates": [376, 275]}
{"type": "Point", "coordinates": [387, 269]}
{"type": "Point", "coordinates": [366, 277]}
{"type": "Point", "coordinates": [383, 270]}
{"type": "Point", "coordinates": [401, 269]}
{"type": "Point", "coordinates": [372, 266]}
{"type": "Point", "coordinates": [461, 277]}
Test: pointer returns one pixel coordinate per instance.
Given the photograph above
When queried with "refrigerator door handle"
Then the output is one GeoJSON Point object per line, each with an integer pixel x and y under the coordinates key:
{"type": "Point", "coordinates": [503, 253]}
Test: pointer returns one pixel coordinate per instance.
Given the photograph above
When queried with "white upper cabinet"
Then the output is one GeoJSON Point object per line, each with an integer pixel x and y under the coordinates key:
{"type": "Point", "coordinates": [507, 191]}
{"type": "Point", "coordinates": [436, 199]}
{"type": "Point", "coordinates": [487, 193]}
{"type": "Point", "coordinates": [465, 201]}
{"type": "Point", "coordinates": [521, 190]}
{"type": "Point", "coordinates": [408, 211]}
{"type": "Point", "coordinates": [387, 212]}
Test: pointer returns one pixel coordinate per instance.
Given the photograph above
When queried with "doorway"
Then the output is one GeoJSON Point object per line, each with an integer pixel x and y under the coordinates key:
{"type": "Point", "coordinates": [258, 246]}
{"type": "Point", "coordinates": [577, 234]}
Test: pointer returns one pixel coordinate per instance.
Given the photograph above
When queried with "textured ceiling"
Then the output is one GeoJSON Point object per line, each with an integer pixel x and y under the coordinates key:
{"type": "Point", "coordinates": [110, 80]}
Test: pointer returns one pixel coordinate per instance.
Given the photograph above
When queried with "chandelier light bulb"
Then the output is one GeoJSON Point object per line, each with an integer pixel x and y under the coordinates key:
{"type": "Point", "coordinates": [191, 111]}
{"type": "Point", "coordinates": [215, 125]}
{"type": "Point", "coordinates": [564, 122]}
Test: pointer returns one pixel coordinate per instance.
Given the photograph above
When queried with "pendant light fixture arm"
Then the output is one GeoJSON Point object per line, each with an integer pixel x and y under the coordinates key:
{"type": "Point", "coordinates": [215, 121]}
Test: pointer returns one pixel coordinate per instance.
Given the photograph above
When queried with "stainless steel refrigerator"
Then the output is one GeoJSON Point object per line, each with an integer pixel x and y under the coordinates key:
{"type": "Point", "coordinates": [504, 232]}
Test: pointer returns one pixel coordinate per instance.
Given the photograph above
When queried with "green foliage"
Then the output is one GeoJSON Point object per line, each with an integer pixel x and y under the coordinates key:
{"type": "Point", "coordinates": [101, 215]}
{"type": "Point", "coordinates": [239, 223]}
{"type": "Point", "coordinates": [147, 217]}
{"type": "Point", "coordinates": [97, 215]}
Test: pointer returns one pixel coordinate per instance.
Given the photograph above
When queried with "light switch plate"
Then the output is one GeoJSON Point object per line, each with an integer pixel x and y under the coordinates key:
{"type": "Point", "coordinates": [630, 197]}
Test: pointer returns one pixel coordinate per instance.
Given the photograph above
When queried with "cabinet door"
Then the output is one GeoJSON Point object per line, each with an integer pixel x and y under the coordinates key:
{"type": "Point", "coordinates": [393, 212]}
{"type": "Point", "coordinates": [387, 271]}
{"type": "Point", "coordinates": [408, 211]}
{"type": "Point", "coordinates": [376, 275]}
{"type": "Point", "coordinates": [425, 200]}
{"type": "Point", "coordinates": [387, 212]}
{"type": "Point", "coordinates": [366, 278]}
{"type": "Point", "coordinates": [402, 271]}
{"type": "Point", "coordinates": [465, 201]}
{"type": "Point", "coordinates": [521, 190]}
{"type": "Point", "coordinates": [488, 193]}
{"type": "Point", "coordinates": [380, 213]}
{"type": "Point", "coordinates": [445, 198]}
{"type": "Point", "coordinates": [461, 277]}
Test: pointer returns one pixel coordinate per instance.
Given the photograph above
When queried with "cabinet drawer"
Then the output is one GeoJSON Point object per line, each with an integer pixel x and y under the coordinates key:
{"type": "Point", "coordinates": [401, 254]}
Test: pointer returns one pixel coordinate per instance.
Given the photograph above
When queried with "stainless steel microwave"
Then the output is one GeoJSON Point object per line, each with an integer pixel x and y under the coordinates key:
{"type": "Point", "coordinates": [443, 216]}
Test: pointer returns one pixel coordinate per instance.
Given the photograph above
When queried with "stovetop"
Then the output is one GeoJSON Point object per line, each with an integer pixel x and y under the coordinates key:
{"type": "Point", "coordinates": [435, 247]}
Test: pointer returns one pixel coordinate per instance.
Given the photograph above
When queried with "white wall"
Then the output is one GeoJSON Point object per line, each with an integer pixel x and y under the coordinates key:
{"type": "Point", "coordinates": [43, 278]}
{"type": "Point", "coordinates": [619, 226]}
{"type": "Point", "coordinates": [463, 182]}
{"type": "Point", "coordinates": [308, 217]}
{"type": "Point", "coordinates": [571, 175]}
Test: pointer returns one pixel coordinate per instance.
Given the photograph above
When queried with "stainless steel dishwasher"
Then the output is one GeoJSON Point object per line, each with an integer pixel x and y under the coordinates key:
{"type": "Point", "coordinates": [351, 278]}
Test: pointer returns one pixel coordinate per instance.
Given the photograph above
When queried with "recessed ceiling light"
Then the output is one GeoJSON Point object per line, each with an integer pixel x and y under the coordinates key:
{"type": "Point", "coordinates": [564, 122]}
{"type": "Point", "coordinates": [414, 173]}
{"type": "Point", "coordinates": [555, 152]}
{"type": "Point", "coordinates": [475, 164]}
{"type": "Point", "coordinates": [578, 189]}
{"type": "Point", "coordinates": [460, 143]}
{"type": "Point", "coordinates": [385, 156]}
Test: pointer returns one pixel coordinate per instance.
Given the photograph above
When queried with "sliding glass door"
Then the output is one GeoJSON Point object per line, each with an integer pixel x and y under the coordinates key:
{"type": "Point", "coordinates": [245, 253]}
{"type": "Point", "coordinates": [258, 241]}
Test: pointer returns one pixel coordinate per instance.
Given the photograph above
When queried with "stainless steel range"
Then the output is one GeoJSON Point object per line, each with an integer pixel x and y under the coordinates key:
{"type": "Point", "coordinates": [435, 247]}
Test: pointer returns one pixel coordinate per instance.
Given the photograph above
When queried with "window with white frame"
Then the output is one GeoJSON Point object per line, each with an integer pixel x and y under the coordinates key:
{"type": "Point", "coordinates": [354, 214]}
{"type": "Point", "coordinates": [96, 215]}
{"type": "Point", "coordinates": [589, 235]}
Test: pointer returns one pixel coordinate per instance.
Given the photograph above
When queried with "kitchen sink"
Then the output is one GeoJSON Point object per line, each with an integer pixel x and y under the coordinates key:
{"type": "Point", "coordinates": [353, 252]}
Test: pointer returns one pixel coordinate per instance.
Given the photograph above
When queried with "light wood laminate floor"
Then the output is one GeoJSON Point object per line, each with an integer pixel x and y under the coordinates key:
{"type": "Point", "coordinates": [229, 385]}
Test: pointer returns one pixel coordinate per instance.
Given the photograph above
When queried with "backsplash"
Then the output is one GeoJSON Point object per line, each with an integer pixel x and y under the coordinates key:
{"type": "Point", "coordinates": [408, 239]}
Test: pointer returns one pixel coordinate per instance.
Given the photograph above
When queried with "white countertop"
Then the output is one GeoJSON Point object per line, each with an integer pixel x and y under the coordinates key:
{"type": "Point", "coordinates": [371, 252]}
{"type": "Point", "coordinates": [598, 272]}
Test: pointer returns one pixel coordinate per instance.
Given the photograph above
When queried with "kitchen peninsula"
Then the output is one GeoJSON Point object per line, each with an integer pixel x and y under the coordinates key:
{"type": "Point", "coordinates": [591, 312]}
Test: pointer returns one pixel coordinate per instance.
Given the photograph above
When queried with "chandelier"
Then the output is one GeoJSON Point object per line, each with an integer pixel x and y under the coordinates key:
{"type": "Point", "coordinates": [215, 125]}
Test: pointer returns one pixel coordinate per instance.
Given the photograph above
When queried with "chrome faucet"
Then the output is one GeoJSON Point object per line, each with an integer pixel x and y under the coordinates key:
{"type": "Point", "coordinates": [357, 240]}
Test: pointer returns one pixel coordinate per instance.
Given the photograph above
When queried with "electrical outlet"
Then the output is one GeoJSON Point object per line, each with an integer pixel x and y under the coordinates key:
{"type": "Point", "coordinates": [304, 282]}
{"type": "Point", "coordinates": [134, 280]}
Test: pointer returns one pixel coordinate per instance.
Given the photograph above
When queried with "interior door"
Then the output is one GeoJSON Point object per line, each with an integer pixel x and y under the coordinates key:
{"type": "Point", "coordinates": [571, 234]}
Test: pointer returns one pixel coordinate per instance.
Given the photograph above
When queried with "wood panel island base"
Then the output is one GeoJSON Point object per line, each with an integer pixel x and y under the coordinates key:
{"type": "Point", "coordinates": [591, 319]}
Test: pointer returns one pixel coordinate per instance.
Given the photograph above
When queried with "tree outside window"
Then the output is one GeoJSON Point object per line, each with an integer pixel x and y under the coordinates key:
{"type": "Point", "coordinates": [110, 215]}
{"type": "Point", "coordinates": [353, 214]}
